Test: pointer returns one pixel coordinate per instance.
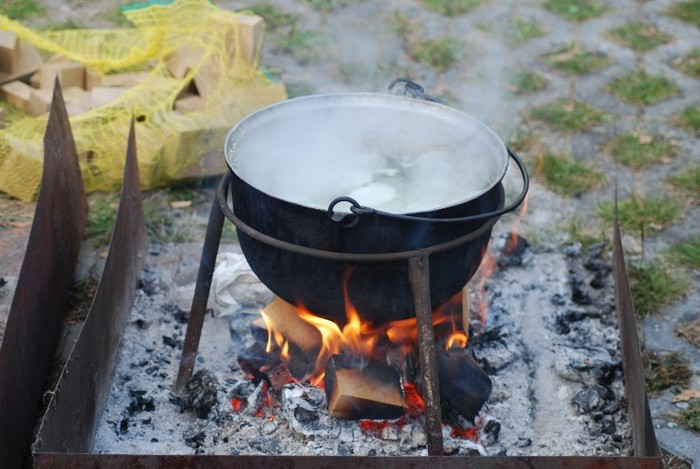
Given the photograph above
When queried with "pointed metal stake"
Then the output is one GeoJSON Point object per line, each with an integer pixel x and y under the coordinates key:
{"type": "Point", "coordinates": [34, 323]}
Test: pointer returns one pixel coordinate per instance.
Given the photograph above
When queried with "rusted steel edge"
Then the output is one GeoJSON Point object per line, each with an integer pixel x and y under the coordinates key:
{"type": "Point", "coordinates": [419, 278]}
{"type": "Point", "coordinates": [643, 436]}
{"type": "Point", "coordinates": [141, 461]}
{"type": "Point", "coordinates": [34, 322]}
{"type": "Point", "coordinates": [69, 424]}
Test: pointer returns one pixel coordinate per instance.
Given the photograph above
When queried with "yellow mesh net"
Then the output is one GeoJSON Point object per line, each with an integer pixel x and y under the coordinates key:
{"type": "Point", "coordinates": [206, 38]}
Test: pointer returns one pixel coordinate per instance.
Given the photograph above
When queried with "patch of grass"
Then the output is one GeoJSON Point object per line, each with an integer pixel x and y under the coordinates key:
{"type": "Point", "coordinates": [688, 179]}
{"type": "Point", "coordinates": [641, 88]}
{"type": "Point", "coordinates": [328, 6]}
{"type": "Point", "coordinates": [67, 24]}
{"type": "Point", "coordinates": [302, 45]}
{"type": "Point", "coordinates": [441, 53]}
{"type": "Point", "coordinates": [691, 416]}
{"type": "Point", "coordinates": [165, 224]}
{"type": "Point", "coordinates": [575, 60]}
{"type": "Point", "coordinates": [522, 140]}
{"type": "Point", "coordinates": [20, 9]}
{"type": "Point", "coordinates": [576, 10]}
{"type": "Point", "coordinates": [687, 11]}
{"type": "Point", "coordinates": [404, 25]}
{"type": "Point", "coordinates": [689, 64]}
{"type": "Point", "coordinates": [639, 151]}
{"type": "Point", "coordinates": [689, 120]}
{"type": "Point", "coordinates": [275, 17]}
{"type": "Point", "coordinates": [640, 36]}
{"type": "Point", "coordinates": [102, 210]}
{"type": "Point", "coordinates": [116, 15]}
{"type": "Point", "coordinates": [14, 213]}
{"type": "Point", "coordinates": [569, 177]}
{"type": "Point", "coordinates": [570, 115]}
{"type": "Point", "coordinates": [636, 212]}
{"type": "Point", "coordinates": [655, 286]}
{"type": "Point", "coordinates": [686, 254]}
{"type": "Point", "coordinates": [523, 82]}
{"type": "Point", "coordinates": [663, 371]}
{"type": "Point", "coordinates": [452, 8]}
{"type": "Point", "coordinates": [520, 31]}
{"type": "Point", "coordinates": [582, 232]}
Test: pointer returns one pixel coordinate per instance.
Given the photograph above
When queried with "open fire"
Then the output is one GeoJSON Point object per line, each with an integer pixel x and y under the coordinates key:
{"type": "Point", "coordinates": [368, 369]}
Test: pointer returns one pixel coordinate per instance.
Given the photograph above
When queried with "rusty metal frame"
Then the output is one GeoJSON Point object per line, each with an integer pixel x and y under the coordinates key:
{"type": "Point", "coordinates": [84, 382]}
{"type": "Point", "coordinates": [646, 453]}
{"type": "Point", "coordinates": [34, 323]}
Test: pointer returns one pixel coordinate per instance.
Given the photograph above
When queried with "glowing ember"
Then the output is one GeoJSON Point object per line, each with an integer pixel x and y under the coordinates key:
{"type": "Point", "coordinates": [236, 404]}
{"type": "Point", "coordinates": [471, 433]}
{"type": "Point", "coordinates": [416, 405]}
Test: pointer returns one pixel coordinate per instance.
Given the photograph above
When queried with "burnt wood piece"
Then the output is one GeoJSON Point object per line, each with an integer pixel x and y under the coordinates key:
{"type": "Point", "coordinates": [372, 392]}
{"type": "Point", "coordinates": [305, 340]}
{"type": "Point", "coordinates": [73, 414]}
{"type": "Point", "coordinates": [34, 322]}
{"type": "Point", "coordinates": [464, 386]}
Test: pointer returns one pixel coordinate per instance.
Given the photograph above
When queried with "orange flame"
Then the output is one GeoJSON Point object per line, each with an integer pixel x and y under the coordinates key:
{"type": "Point", "coordinates": [516, 226]}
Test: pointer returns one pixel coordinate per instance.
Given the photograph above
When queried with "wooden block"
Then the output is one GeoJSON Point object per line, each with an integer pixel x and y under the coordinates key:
{"type": "Point", "coordinates": [127, 80]}
{"type": "Point", "coordinates": [207, 78]}
{"type": "Point", "coordinates": [250, 30]}
{"type": "Point", "coordinates": [16, 93]}
{"type": "Point", "coordinates": [39, 101]}
{"type": "Point", "coordinates": [70, 74]}
{"type": "Point", "coordinates": [183, 59]}
{"type": "Point", "coordinates": [373, 392]}
{"type": "Point", "coordinates": [305, 340]}
{"type": "Point", "coordinates": [77, 100]}
{"type": "Point", "coordinates": [35, 80]}
{"type": "Point", "coordinates": [2, 117]}
{"type": "Point", "coordinates": [9, 51]}
{"type": "Point", "coordinates": [101, 95]}
{"type": "Point", "coordinates": [93, 78]}
{"type": "Point", "coordinates": [189, 103]}
{"type": "Point", "coordinates": [464, 386]}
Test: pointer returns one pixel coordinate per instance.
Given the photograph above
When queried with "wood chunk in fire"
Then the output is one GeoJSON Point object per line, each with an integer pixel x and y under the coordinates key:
{"type": "Point", "coordinates": [305, 340]}
{"type": "Point", "coordinates": [464, 386]}
{"type": "Point", "coordinates": [372, 392]}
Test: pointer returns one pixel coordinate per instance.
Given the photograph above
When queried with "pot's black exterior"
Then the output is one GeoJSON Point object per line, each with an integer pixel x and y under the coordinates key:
{"type": "Point", "coordinates": [380, 291]}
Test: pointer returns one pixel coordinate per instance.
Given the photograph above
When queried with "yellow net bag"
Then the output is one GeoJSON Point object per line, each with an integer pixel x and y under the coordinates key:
{"type": "Point", "coordinates": [173, 45]}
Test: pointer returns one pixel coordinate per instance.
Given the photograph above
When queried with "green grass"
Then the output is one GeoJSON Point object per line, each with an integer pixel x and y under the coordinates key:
{"type": "Point", "coordinates": [639, 151]}
{"type": "Point", "coordinates": [576, 10]}
{"type": "Point", "coordinates": [452, 8]}
{"type": "Point", "coordinates": [301, 44]}
{"type": "Point", "coordinates": [13, 212]}
{"type": "Point", "coordinates": [663, 371]}
{"type": "Point", "coordinates": [640, 36]}
{"type": "Point", "coordinates": [165, 224]}
{"type": "Point", "coordinates": [689, 120]}
{"type": "Point", "coordinates": [569, 177]}
{"type": "Point", "coordinates": [687, 11]}
{"type": "Point", "coordinates": [527, 82]}
{"type": "Point", "coordinates": [690, 64]}
{"type": "Point", "coordinates": [688, 179]}
{"type": "Point", "coordinates": [328, 6]}
{"type": "Point", "coordinates": [116, 15]}
{"type": "Point", "coordinates": [275, 17]}
{"type": "Point", "coordinates": [655, 286]}
{"type": "Point", "coordinates": [583, 232]}
{"type": "Point", "coordinates": [404, 26]}
{"type": "Point", "coordinates": [102, 210]}
{"type": "Point", "coordinates": [520, 31]}
{"type": "Point", "coordinates": [441, 53]}
{"type": "Point", "coordinates": [636, 212]}
{"type": "Point", "coordinates": [569, 115]}
{"type": "Point", "coordinates": [575, 60]}
{"type": "Point", "coordinates": [641, 89]}
{"type": "Point", "coordinates": [691, 416]}
{"type": "Point", "coordinates": [686, 254]}
{"type": "Point", "coordinates": [20, 9]}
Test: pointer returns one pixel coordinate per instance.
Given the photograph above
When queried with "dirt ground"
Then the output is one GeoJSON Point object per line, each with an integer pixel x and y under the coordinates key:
{"type": "Point", "coordinates": [350, 46]}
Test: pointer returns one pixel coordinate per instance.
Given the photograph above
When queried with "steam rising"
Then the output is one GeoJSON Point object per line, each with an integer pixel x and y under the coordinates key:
{"type": "Point", "coordinates": [394, 154]}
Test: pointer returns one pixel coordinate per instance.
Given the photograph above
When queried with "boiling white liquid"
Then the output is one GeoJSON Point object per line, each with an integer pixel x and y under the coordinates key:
{"type": "Point", "coordinates": [394, 161]}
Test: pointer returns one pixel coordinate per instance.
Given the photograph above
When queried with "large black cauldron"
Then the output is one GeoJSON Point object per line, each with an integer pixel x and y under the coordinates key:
{"type": "Point", "coordinates": [310, 143]}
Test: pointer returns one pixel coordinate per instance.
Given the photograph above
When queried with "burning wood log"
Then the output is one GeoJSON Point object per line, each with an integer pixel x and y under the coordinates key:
{"type": "Point", "coordinates": [304, 340]}
{"type": "Point", "coordinates": [464, 386]}
{"type": "Point", "coordinates": [372, 392]}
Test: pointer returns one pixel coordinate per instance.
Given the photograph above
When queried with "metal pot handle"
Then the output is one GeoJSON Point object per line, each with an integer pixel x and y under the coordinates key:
{"type": "Point", "coordinates": [360, 210]}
